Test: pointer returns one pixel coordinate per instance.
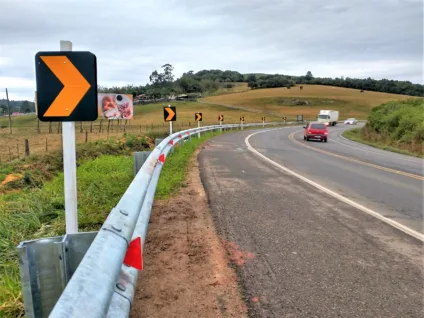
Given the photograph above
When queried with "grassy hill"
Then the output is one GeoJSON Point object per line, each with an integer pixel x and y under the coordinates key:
{"type": "Point", "coordinates": [308, 101]}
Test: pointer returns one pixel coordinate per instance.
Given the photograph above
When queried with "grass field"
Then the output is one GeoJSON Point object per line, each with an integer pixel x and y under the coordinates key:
{"type": "Point", "coordinates": [356, 135]}
{"type": "Point", "coordinates": [282, 101]}
{"type": "Point", "coordinates": [147, 119]}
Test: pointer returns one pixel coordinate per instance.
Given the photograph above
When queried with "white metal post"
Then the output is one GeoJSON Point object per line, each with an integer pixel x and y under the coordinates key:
{"type": "Point", "coordinates": [198, 126]}
{"type": "Point", "coordinates": [170, 128]}
{"type": "Point", "coordinates": [220, 123]}
{"type": "Point", "coordinates": [69, 167]}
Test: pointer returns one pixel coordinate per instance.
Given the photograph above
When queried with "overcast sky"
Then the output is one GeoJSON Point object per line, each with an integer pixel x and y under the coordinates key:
{"type": "Point", "coordinates": [131, 38]}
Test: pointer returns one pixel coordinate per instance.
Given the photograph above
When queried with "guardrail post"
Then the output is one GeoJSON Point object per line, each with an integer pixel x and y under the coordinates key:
{"type": "Point", "coordinates": [46, 266]}
{"type": "Point", "coordinates": [140, 158]}
{"type": "Point", "coordinates": [158, 141]}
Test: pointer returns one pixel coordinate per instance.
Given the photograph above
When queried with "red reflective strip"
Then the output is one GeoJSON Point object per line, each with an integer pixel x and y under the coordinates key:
{"type": "Point", "coordinates": [134, 255]}
{"type": "Point", "coordinates": [162, 158]}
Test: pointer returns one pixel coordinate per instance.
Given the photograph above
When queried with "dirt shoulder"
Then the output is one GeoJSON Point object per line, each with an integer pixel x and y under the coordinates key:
{"type": "Point", "coordinates": [186, 267]}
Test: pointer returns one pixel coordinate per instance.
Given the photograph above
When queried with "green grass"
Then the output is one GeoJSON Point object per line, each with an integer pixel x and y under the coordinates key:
{"type": "Point", "coordinates": [38, 211]}
{"type": "Point", "coordinates": [356, 135]}
{"type": "Point", "coordinates": [174, 172]}
{"type": "Point", "coordinates": [32, 206]}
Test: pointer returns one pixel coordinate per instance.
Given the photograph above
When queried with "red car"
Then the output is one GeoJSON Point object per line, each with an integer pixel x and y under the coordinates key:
{"type": "Point", "coordinates": [315, 130]}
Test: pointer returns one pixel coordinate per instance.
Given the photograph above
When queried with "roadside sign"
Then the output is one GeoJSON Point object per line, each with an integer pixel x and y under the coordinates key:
{"type": "Point", "coordinates": [263, 118]}
{"type": "Point", "coordinates": [66, 86]}
{"type": "Point", "coordinates": [116, 106]}
{"type": "Point", "coordinates": [198, 117]}
{"type": "Point", "coordinates": [242, 119]}
{"type": "Point", "coordinates": [221, 117]}
{"type": "Point", "coordinates": [299, 117]}
{"type": "Point", "coordinates": [284, 118]}
{"type": "Point", "coordinates": [170, 113]}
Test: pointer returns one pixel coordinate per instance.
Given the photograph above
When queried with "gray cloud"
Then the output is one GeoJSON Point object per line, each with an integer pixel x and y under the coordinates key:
{"type": "Point", "coordinates": [357, 38]}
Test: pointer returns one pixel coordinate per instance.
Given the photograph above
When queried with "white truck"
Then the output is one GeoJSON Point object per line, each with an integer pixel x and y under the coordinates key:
{"type": "Point", "coordinates": [329, 117]}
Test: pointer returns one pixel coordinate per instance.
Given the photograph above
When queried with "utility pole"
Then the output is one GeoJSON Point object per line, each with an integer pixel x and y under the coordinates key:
{"type": "Point", "coordinates": [8, 109]}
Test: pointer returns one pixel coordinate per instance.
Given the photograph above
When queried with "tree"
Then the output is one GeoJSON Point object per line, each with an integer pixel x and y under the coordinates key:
{"type": "Point", "coordinates": [309, 76]}
{"type": "Point", "coordinates": [251, 78]}
{"type": "Point", "coordinates": [26, 107]}
{"type": "Point", "coordinates": [155, 77]}
{"type": "Point", "coordinates": [167, 73]}
{"type": "Point", "coordinates": [3, 109]}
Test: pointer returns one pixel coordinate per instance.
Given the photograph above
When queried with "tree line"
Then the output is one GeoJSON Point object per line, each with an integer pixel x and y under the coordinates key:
{"type": "Point", "coordinates": [163, 83]}
{"type": "Point", "coordinates": [16, 106]}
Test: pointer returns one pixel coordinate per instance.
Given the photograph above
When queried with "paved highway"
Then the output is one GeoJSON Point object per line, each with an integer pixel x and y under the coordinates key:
{"type": "Point", "coordinates": [335, 227]}
{"type": "Point", "coordinates": [388, 183]}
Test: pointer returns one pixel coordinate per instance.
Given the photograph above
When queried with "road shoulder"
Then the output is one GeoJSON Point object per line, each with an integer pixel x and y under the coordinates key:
{"type": "Point", "coordinates": [186, 267]}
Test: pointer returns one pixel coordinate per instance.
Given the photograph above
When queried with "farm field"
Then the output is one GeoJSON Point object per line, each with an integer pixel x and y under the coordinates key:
{"type": "Point", "coordinates": [308, 101]}
{"type": "Point", "coordinates": [148, 119]}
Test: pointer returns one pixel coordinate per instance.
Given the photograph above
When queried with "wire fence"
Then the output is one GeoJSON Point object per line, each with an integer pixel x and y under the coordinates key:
{"type": "Point", "coordinates": [27, 140]}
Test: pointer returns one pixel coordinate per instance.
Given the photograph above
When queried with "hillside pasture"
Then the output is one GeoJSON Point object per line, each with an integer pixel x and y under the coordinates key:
{"type": "Point", "coordinates": [308, 101]}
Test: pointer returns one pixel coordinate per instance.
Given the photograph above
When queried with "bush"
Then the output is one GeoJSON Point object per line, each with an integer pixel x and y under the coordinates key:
{"type": "Point", "coordinates": [398, 123]}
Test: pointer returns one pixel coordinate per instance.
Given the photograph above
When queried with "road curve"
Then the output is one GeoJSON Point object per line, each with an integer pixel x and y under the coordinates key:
{"type": "Point", "coordinates": [301, 252]}
{"type": "Point", "coordinates": [390, 184]}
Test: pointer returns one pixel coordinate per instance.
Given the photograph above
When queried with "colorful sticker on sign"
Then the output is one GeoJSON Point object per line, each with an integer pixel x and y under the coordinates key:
{"type": "Point", "coordinates": [116, 106]}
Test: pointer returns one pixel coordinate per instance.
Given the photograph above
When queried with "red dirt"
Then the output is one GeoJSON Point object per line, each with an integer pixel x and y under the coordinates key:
{"type": "Point", "coordinates": [186, 269]}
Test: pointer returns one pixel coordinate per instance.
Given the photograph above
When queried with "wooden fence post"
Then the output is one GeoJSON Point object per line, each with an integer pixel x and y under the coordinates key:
{"type": "Point", "coordinates": [26, 148]}
{"type": "Point", "coordinates": [86, 136]}
{"type": "Point", "coordinates": [91, 127]}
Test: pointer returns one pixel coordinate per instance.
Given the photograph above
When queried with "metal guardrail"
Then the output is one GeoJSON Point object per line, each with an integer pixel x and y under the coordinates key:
{"type": "Point", "coordinates": [102, 286]}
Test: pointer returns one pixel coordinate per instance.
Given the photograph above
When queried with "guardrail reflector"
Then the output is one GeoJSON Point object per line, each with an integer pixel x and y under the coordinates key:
{"type": "Point", "coordinates": [134, 255]}
{"type": "Point", "coordinates": [162, 158]}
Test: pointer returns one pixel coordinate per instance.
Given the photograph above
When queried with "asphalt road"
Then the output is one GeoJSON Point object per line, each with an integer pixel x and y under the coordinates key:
{"type": "Point", "coordinates": [314, 255]}
{"type": "Point", "coordinates": [389, 183]}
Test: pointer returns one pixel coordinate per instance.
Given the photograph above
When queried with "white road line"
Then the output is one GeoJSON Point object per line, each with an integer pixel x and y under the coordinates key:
{"type": "Point", "coordinates": [395, 224]}
{"type": "Point", "coordinates": [375, 152]}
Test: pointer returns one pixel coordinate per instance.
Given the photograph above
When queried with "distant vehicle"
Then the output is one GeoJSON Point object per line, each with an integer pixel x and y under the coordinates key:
{"type": "Point", "coordinates": [329, 117]}
{"type": "Point", "coordinates": [315, 130]}
{"type": "Point", "coordinates": [351, 121]}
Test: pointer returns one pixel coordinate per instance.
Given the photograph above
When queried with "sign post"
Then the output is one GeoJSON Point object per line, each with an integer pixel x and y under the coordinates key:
{"type": "Point", "coordinates": [170, 114]}
{"type": "Point", "coordinates": [241, 122]}
{"type": "Point", "coordinates": [69, 167]}
{"type": "Point", "coordinates": [67, 92]}
{"type": "Point", "coordinates": [198, 117]}
{"type": "Point", "coordinates": [263, 121]}
{"type": "Point", "coordinates": [221, 119]}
